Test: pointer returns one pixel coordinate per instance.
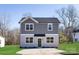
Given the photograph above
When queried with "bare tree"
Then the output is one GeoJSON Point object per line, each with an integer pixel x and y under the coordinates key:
{"type": "Point", "coordinates": [4, 25]}
{"type": "Point", "coordinates": [69, 17]}
{"type": "Point", "coordinates": [61, 13]}
{"type": "Point", "coordinates": [13, 37]}
{"type": "Point", "coordinates": [16, 36]}
{"type": "Point", "coordinates": [4, 22]}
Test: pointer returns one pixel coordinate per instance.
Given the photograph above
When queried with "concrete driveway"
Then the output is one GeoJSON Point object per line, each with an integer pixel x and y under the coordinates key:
{"type": "Point", "coordinates": [40, 51]}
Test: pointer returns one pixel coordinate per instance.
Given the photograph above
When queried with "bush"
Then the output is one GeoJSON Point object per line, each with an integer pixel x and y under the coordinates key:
{"type": "Point", "coordinates": [63, 38]}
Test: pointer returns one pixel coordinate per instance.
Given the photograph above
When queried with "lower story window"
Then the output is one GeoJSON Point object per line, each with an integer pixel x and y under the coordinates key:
{"type": "Point", "coordinates": [50, 39]}
{"type": "Point", "coordinates": [29, 39]}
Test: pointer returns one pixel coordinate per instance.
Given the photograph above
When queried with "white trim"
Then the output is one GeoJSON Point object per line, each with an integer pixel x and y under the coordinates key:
{"type": "Point", "coordinates": [29, 39]}
{"type": "Point", "coordinates": [51, 27]}
{"type": "Point", "coordinates": [30, 18]}
{"type": "Point", "coordinates": [50, 34]}
{"type": "Point", "coordinates": [29, 24]}
{"type": "Point", "coordinates": [27, 34]}
{"type": "Point", "coordinates": [33, 34]}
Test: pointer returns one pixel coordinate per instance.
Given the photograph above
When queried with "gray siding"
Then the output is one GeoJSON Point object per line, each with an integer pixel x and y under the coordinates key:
{"type": "Point", "coordinates": [40, 28]}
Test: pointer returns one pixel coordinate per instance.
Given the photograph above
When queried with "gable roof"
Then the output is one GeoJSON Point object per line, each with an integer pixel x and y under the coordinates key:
{"type": "Point", "coordinates": [41, 19]}
{"type": "Point", "coordinates": [46, 20]}
{"type": "Point", "coordinates": [26, 18]}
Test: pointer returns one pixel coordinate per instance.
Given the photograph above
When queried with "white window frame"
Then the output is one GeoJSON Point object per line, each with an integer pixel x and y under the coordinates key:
{"type": "Point", "coordinates": [51, 27]}
{"type": "Point", "coordinates": [27, 19]}
{"type": "Point", "coordinates": [50, 40]}
{"type": "Point", "coordinates": [29, 40]}
{"type": "Point", "coordinates": [29, 25]}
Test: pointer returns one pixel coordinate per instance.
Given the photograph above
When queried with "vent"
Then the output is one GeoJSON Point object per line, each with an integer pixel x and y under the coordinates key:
{"type": "Point", "coordinates": [38, 35]}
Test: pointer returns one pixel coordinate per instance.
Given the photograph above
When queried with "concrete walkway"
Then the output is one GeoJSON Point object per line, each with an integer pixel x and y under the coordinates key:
{"type": "Point", "coordinates": [40, 51]}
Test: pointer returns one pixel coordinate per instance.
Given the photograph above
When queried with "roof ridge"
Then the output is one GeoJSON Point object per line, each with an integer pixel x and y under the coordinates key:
{"type": "Point", "coordinates": [44, 17]}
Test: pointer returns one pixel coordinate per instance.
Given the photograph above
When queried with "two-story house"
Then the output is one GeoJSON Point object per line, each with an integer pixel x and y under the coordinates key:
{"type": "Point", "coordinates": [39, 32]}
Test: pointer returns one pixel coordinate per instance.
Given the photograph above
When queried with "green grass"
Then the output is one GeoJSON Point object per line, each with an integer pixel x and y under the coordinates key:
{"type": "Point", "coordinates": [9, 50]}
{"type": "Point", "coordinates": [70, 48]}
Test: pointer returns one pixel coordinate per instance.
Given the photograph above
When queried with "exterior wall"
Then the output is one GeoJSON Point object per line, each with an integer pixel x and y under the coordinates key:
{"type": "Point", "coordinates": [55, 42]}
{"type": "Point", "coordinates": [23, 41]}
{"type": "Point", "coordinates": [40, 28]}
{"type": "Point", "coordinates": [35, 41]}
{"type": "Point", "coordinates": [76, 36]}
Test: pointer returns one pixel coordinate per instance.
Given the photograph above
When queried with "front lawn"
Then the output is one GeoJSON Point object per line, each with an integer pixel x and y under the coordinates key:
{"type": "Point", "coordinates": [9, 50]}
{"type": "Point", "coordinates": [70, 48]}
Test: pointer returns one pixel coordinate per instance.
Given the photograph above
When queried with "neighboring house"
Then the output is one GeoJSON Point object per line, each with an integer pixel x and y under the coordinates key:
{"type": "Point", "coordinates": [76, 35]}
{"type": "Point", "coordinates": [2, 41]}
{"type": "Point", "coordinates": [39, 32]}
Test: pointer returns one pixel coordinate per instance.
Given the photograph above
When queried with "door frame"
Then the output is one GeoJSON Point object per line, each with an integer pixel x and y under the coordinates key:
{"type": "Point", "coordinates": [41, 41]}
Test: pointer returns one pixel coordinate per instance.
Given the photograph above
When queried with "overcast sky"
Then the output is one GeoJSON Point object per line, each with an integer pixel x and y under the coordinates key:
{"type": "Point", "coordinates": [16, 11]}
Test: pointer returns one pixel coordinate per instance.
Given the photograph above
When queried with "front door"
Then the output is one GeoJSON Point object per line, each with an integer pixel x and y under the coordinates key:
{"type": "Point", "coordinates": [39, 42]}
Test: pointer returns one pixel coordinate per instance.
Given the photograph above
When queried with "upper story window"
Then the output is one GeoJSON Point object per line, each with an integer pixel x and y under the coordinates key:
{"type": "Point", "coordinates": [50, 27]}
{"type": "Point", "coordinates": [29, 27]}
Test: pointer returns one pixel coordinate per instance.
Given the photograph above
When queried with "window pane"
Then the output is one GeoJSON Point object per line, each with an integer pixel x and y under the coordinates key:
{"type": "Point", "coordinates": [50, 27]}
{"type": "Point", "coordinates": [27, 40]}
{"type": "Point", "coordinates": [51, 37]}
{"type": "Point", "coordinates": [27, 27]}
{"type": "Point", "coordinates": [31, 27]}
{"type": "Point", "coordinates": [31, 39]}
{"type": "Point", "coordinates": [51, 40]}
{"type": "Point", "coordinates": [48, 37]}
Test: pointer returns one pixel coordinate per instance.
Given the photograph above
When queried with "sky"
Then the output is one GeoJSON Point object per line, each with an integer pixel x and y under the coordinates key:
{"type": "Point", "coordinates": [16, 11]}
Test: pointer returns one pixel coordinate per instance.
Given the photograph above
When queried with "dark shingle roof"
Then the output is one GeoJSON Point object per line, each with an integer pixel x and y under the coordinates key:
{"type": "Point", "coordinates": [45, 19]}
